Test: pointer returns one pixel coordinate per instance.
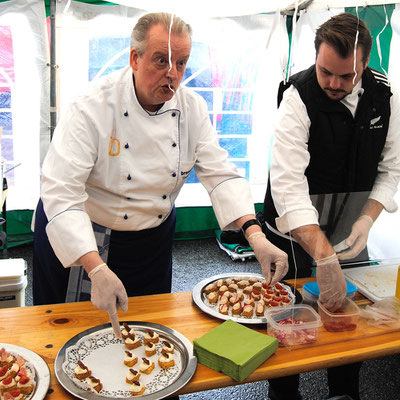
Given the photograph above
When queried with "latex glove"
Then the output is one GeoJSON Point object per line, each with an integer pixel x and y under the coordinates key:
{"type": "Point", "coordinates": [358, 238]}
{"type": "Point", "coordinates": [108, 294]}
{"type": "Point", "coordinates": [331, 283]}
{"type": "Point", "coordinates": [267, 254]}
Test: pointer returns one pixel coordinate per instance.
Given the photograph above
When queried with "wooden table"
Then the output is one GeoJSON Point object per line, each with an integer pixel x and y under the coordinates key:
{"type": "Point", "coordinates": [45, 329]}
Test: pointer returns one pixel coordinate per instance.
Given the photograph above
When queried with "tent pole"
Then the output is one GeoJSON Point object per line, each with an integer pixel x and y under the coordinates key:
{"type": "Point", "coordinates": [53, 67]}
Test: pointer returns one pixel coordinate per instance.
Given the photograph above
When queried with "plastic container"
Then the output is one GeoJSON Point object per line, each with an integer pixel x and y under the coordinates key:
{"type": "Point", "coordinates": [310, 293]}
{"type": "Point", "coordinates": [398, 284]}
{"type": "Point", "coordinates": [345, 319]}
{"type": "Point", "coordinates": [12, 282]}
{"type": "Point", "coordinates": [294, 325]}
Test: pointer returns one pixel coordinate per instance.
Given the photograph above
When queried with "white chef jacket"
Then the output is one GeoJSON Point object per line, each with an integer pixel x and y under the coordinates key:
{"type": "Point", "coordinates": [290, 158]}
{"type": "Point", "coordinates": [114, 163]}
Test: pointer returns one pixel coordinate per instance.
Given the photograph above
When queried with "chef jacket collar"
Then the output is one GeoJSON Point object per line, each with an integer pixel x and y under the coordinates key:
{"type": "Point", "coordinates": [168, 105]}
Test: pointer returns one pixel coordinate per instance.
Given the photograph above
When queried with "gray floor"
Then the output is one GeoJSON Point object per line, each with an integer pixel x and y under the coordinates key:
{"type": "Point", "coordinates": [199, 259]}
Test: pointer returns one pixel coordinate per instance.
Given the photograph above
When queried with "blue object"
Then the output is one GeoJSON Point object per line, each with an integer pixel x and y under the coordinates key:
{"type": "Point", "coordinates": [312, 287]}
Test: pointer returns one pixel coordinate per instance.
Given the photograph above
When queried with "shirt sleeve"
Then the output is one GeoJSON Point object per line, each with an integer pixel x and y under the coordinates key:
{"type": "Point", "coordinates": [387, 180]}
{"type": "Point", "coordinates": [65, 170]}
{"type": "Point", "coordinates": [229, 192]}
{"type": "Point", "coordinates": [289, 160]}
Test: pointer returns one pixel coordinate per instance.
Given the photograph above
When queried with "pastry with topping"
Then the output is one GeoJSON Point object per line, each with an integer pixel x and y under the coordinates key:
{"type": "Point", "coordinates": [4, 372]}
{"type": "Point", "coordinates": [146, 366]}
{"type": "Point", "coordinates": [132, 376]}
{"type": "Point", "coordinates": [247, 311]}
{"type": "Point", "coordinates": [81, 371]}
{"type": "Point", "coordinates": [7, 385]}
{"type": "Point", "coordinates": [166, 360]}
{"type": "Point", "coordinates": [213, 297]}
{"type": "Point", "coordinates": [14, 395]}
{"type": "Point", "coordinates": [151, 337]}
{"type": "Point", "coordinates": [150, 349]}
{"type": "Point", "coordinates": [237, 308]}
{"type": "Point", "coordinates": [13, 371]}
{"type": "Point", "coordinates": [137, 388]}
{"type": "Point", "coordinates": [223, 309]}
{"type": "Point", "coordinates": [25, 385]}
{"type": "Point", "coordinates": [168, 347]}
{"type": "Point", "coordinates": [94, 383]}
{"type": "Point", "coordinates": [130, 359]}
{"type": "Point", "coordinates": [126, 330]}
{"type": "Point", "coordinates": [132, 341]}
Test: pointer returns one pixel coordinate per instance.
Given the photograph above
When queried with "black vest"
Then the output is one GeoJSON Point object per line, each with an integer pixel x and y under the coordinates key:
{"type": "Point", "coordinates": [344, 151]}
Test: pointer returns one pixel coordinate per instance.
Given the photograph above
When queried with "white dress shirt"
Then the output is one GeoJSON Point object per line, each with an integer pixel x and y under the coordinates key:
{"type": "Point", "coordinates": [114, 163]}
{"type": "Point", "coordinates": [290, 158]}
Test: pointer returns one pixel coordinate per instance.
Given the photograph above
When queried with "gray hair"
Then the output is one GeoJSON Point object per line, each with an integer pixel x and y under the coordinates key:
{"type": "Point", "coordinates": [139, 33]}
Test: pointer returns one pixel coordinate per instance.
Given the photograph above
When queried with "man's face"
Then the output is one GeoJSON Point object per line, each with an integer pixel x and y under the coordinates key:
{"type": "Point", "coordinates": [335, 74]}
{"type": "Point", "coordinates": [154, 77]}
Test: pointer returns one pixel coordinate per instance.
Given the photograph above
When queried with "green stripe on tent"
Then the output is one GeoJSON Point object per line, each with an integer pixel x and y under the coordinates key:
{"type": "Point", "coordinates": [374, 17]}
{"type": "Point", "coordinates": [191, 223]}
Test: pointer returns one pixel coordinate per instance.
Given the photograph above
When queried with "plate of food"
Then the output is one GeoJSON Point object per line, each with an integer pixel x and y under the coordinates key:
{"type": "Point", "coordinates": [242, 297]}
{"type": "Point", "coordinates": [150, 360]}
{"type": "Point", "coordinates": [23, 374]}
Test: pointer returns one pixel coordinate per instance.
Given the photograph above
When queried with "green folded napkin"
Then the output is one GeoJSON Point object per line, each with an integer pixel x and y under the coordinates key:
{"type": "Point", "coordinates": [234, 349]}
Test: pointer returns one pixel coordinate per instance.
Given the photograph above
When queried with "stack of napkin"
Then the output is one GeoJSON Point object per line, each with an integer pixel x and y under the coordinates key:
{"type": "Point", "coordinates": [234, 349]}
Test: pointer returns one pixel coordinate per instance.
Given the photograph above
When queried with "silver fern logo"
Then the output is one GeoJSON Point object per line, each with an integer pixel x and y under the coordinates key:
{"type": "Point", "coordinates": [373, 122]}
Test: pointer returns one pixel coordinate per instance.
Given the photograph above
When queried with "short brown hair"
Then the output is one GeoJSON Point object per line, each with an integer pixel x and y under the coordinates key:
{"type": "Point", "coordinates": [340, 33]}
{"type": "Point", "coordinates": [139, 33]}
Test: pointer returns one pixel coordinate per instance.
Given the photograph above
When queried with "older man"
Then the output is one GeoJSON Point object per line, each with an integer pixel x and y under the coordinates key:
{"type": "Point", "coordinates": [115, 167]}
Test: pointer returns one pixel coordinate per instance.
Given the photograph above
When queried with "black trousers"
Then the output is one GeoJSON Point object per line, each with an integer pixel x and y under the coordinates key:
{"type": "Point", "coordinates": [141, 259]}
{"type": "Point", "coordinates": [341, 380]}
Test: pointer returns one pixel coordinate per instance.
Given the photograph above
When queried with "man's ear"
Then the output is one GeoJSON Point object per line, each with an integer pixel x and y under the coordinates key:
{"type": "Point", "coordinates": [133, 59]}
{"type": "Point", "coordinates": [366, 62]}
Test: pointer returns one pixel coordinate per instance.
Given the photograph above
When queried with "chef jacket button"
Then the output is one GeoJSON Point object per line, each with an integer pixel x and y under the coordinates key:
{"type": "Point", "coordinates": [373, 109]}
{"type": "Point", "coordinates": [362, 127]}
{"type": "Point", "coordinates": [127, 146]}
{"type": "Point", "coordinates": [125, 216]}
{"type": "Point", "coordinates": [160, 216]}
{"type": "Point", "coordinates": [164, 196]}
{"type": "Point", "coordinates": [174, 174]}
{"type": "Point", "coordinates": [173, 144]}
{"type": "Point", "coordinates": [126, 113]}
{"type": "Point", "coordinates": [173, 114]}
{"type": "Point", "coordinates": [129, 177]}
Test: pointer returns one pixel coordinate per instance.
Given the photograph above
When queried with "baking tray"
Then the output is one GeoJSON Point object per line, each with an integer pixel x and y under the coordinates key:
{"type": "Point", "coordinates": [102, 352]}
{"type": "Point", "coordinates": [41, 370]}
{"type": "Point", "coordinates": [200, 299]}
{"type": "Point", "coordinates": [374, 281]}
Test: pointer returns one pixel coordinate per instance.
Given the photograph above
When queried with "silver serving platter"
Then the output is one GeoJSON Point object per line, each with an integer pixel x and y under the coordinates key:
{"type": "Point", "coordinates": [183, 350]}
{"type": "Point", "coordinates": [200, 298]}
{"type": "Point", "coordinates": [42, 372]}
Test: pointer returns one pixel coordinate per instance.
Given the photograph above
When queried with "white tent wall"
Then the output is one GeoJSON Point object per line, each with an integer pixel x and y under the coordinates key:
{"type": "Point", "coordinates": [241, 49]}
{"type": "Point", "coordinates": [27, 122]}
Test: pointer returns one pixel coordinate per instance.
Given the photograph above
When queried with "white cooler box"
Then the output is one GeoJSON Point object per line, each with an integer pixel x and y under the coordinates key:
{"type": "Point", "coordinates": [13, 282]}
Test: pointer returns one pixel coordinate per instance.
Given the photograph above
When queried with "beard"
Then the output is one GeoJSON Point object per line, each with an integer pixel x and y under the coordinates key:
{"type": "Point", "coordinates": [335, 94]}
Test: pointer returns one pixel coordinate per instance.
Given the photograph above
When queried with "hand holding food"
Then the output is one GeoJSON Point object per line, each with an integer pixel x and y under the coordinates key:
{"type": "Point", "coordinates": [331, 282]}
{"type": "Point", "coordinates": [268, 255]}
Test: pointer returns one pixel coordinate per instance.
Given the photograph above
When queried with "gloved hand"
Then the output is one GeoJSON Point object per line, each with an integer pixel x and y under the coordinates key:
{"type": "Point", "coordinates": [358, 238]}
{"type": "Point", "coordinates": [331, 283]}
{"type": "Point", "coordinates": [268, 254]}
{"type": "Point", "coordinates": [108, 294]}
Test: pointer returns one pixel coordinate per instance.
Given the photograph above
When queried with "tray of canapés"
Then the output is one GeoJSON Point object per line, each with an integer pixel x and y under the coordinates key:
{"type": "Point", "coordinates": [242, 297]}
